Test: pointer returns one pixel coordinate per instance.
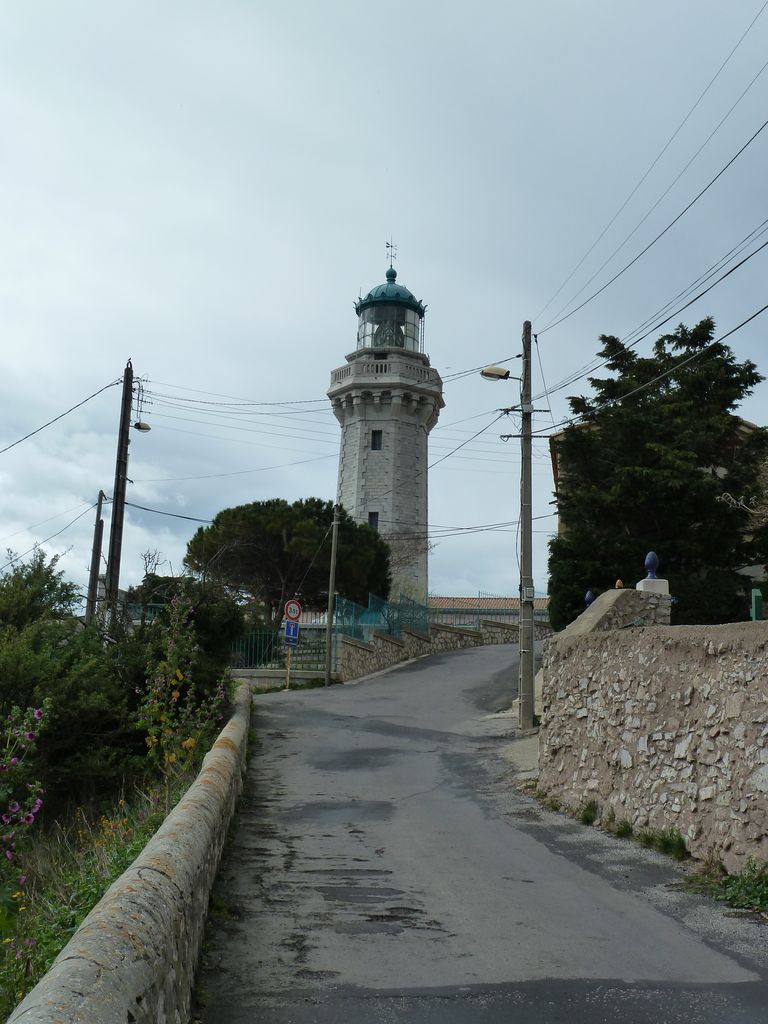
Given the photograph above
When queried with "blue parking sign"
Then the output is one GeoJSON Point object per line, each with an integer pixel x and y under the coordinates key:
{"type": "Point", "coordinates": [291, 633]}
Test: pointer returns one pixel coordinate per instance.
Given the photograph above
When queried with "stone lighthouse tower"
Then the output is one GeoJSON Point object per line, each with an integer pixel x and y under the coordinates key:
{"type": "Point", "coordinates": [387, 399]}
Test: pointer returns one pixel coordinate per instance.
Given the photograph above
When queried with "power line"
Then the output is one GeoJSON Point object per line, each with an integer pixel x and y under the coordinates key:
{"type": "Point", "coordinates": [42, 522]}
{"type": "Point", "coordinates": [661, 376]}
{"type": "Point", "coordinates": [174, 515]}
{"type": "Point", "coordinates": [437, 462]}
{"type": "Point", "coordinates": [237, 399]}
{"type": "Point", "coordinates": [60, 416]}
{"type": "Point", "coordinates": [237, 472]}
{"type": "Point", "coordinates": [636, 341]}
{"type": "Point", "coordinates": [661, 153]}
{"type": "Point", "coordinates": [47, 539]}
{"type": "Point", "coordinates": [666, 191]}
{"type": "Point", "coordinates": [660, 235]}
{"type": "Point", "coordinates": [596, 363]}
{"type": "Point", "coordinates": [314, 557]}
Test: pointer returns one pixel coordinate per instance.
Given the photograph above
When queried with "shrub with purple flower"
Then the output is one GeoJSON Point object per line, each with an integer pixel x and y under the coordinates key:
{"type": "Point", "coordinates": [177, 722]}
{"type": "Point", "coordinates": [20, 803]}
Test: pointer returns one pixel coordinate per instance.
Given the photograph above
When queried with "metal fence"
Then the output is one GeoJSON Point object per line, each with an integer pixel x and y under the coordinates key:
{"type": "Point", "coordinates": [265, 649]}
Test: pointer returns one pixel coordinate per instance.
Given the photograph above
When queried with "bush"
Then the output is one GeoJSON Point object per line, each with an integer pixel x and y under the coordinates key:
{"type": "Point", "coordinates": [589, 813]}
{"type": "Point", "coordinates": [623, 828]}
{"type": "Point", "coordinates": [749, 890]}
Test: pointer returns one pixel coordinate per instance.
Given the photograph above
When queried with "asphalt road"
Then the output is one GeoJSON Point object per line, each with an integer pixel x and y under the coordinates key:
{"type": "Point", "coordinates": [384, 868]}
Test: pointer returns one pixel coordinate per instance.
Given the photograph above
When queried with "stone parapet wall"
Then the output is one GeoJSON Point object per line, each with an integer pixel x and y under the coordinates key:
{"type": "Point", "coordinates": [666, 726]}
{"type": "Point", "coordinates": [355, 658]}
{"type": "Point", "coordinates": [133, 958]}
{"type": "Point", "coordinates": [617, 609]}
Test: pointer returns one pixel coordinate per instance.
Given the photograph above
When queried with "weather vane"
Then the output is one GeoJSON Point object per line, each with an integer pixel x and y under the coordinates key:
{"type": "Point", "coordinates": [391, 251]}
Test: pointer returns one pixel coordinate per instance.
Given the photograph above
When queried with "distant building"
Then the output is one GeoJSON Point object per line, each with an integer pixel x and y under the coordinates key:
{"type": "Point", "coordinates": [387, 399]}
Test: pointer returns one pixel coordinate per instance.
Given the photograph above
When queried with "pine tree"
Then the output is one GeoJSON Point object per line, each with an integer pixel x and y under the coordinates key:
{"type": "Point", "coordinates": [657, 447]}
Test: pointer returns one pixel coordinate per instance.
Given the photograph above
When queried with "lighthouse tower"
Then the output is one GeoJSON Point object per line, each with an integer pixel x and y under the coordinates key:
{"type": "Point", "coordinates": [387, 398]}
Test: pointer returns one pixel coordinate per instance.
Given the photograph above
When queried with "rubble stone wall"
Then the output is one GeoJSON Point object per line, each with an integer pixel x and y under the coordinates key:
{"type": "Point", "coordinates": [356, 658]}
{"type": "Point", "coordinates": [666, 726]}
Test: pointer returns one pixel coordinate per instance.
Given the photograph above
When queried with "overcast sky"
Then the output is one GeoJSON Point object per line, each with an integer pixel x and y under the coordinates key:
{"type": "Point", "coordinates": [206, 187]}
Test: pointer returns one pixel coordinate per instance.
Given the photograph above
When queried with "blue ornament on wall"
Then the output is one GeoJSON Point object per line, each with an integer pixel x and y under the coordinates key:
{"type": "Point", "coordinates": [651, 564]}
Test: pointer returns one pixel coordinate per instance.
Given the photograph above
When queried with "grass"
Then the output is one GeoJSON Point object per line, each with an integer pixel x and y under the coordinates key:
{"type": "Point", "coordinates": [303, 684]}
{"type": "Point", "coordinates": [69, 867]}
{"type": "Point", "coordinates": [589, 813]}
{"type": "Point", "coordinates": [747, 891]}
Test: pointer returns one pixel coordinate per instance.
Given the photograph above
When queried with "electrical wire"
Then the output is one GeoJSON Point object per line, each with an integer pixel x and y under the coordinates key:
{"type": "Point", "coordinates": [237, 472]}
{"type": "Point", "coordinates": [42, 522]}
{"type": "Point", "coordinates": [661, 153]}
{"type": "Point", "coordinates": [661, 376]}
{"type": "Point", "coordinates": [60, 416]}
{"type": "Point", "coordinates": [660, 235]}
{"type": "Point", "coordinates": [437, 462]}
{"type": "Point", "coordinates": [174, 515]}
{"type": "Point", "coordinates": [235, 398]}
{"type": "Point", "coordinates": [40, 543]}
{"type": "Point", "coordinates": [666, 191]}
{"type": "Point", "coordinates": [633, 343]}
{"type": "Point", "coordinates": [297, 591]}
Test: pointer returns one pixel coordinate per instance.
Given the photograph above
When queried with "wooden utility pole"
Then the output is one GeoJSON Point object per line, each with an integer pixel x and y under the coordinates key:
{"type": "Point", "coordinates": [118, 494]}
{"type": "Point", "coordinates": [331, 596]}
{"type": "Point", "coordinates": [525, 686]}
{"type": "Point", "coordinates": [93, 578]}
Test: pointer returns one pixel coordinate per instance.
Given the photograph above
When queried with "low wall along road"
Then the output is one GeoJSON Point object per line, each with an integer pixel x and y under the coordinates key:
{"type": "Point", "coordinates": [132, 960]}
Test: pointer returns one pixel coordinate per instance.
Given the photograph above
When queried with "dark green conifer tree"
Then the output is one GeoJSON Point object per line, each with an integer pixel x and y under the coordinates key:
{"type": "Point", "coordinates": [657, 446]}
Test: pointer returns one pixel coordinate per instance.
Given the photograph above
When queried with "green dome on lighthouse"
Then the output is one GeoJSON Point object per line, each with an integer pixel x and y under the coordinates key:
{"type": "Point", "coordinates": [391, 292]}
{"type": "Point", "coordinates": [390, 316]}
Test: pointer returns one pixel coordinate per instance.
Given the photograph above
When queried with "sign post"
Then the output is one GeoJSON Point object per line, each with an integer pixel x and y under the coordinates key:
{"type": "Point", "coordinates": [292, 616]}
{"type": "Point", "coordinates": [288, 669]}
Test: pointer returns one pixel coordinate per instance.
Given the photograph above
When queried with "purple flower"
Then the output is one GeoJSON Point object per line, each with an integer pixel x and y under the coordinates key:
{"type": "Point", "coordinates": [14, 762]}
{"type": "Point", "coordinates": [29, 819]}
{"type": "Point", "coordinates": [7, 819]}
{"type": "Point", "coordinates": [13, 807]}
{"type": "Point", "coordinates": [37, 805]}
{"type": "Point", "coordinates": [3, 767]}
{"type": "Point", "coordinates": [38, 713]}
{"type": "Point", "coordinates": [8, 855]}
{"type": "Point", "coordinates": [29, 736]}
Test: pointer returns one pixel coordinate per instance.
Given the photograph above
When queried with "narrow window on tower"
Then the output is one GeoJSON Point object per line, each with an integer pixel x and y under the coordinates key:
{"type": "Point", "coordinates": [373, 517]}
{"type": "Point", "coordinates": [376, 436]}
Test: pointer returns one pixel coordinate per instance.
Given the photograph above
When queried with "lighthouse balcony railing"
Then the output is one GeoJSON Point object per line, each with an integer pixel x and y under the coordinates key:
{"type": "Point", "coordinates": [384, 368]}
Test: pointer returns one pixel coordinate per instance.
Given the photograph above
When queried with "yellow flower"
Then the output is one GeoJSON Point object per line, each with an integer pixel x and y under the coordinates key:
{"type": "Point", "coordinates": [170, 758]}
{"type": "Point", "coordinates": [175, 695]}
{"type": "Point", "coordinates": [190, 743]}
{"type": "Point", "coordinates": [179, 674]}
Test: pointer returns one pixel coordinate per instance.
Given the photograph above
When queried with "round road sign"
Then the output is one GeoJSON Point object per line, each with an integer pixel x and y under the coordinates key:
{"type": "Point", "coordinates": [292, 610]}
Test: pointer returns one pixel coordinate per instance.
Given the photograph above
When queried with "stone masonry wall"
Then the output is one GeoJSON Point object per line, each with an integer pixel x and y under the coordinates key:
{"type": "Point", "coordinates": [667, 726]}
{"type": "Point", "coordinates": [355, 659]}
{"type": "Point", "coordinates": [134, 957]}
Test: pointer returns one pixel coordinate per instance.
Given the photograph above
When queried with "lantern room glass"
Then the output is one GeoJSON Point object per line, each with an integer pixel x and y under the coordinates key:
{"type": "Point", "coordinates": [385, 325]}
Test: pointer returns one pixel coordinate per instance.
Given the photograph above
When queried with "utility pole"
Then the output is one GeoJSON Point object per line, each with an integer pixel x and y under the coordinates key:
{"type": "Point", "coordinates": [118, 494]}
{"type": "Point", "coordinates": [93, 578]}
{"type": "Point", "coordinates": [525, 685]}
{"type": "Point", "coordinates": [331, 596]}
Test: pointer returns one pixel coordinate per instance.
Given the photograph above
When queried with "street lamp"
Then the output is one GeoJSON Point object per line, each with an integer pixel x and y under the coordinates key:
{"type": "Point", "coordinates": [525, 681]}
{"type": "Point", "coordinates": [495, 373]}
